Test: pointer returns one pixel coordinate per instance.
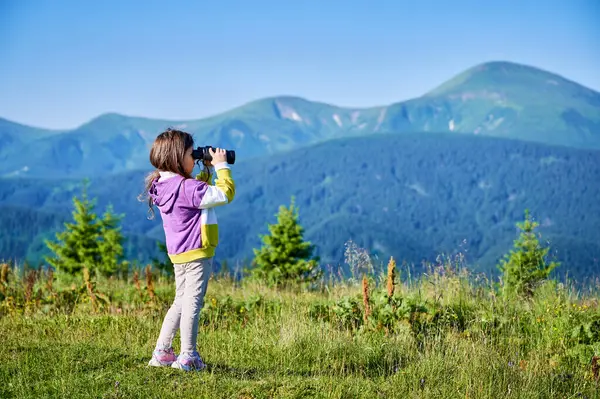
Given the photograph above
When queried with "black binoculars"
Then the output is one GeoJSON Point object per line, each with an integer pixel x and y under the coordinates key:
{"type": "Point", "coordinates": [202, 154]}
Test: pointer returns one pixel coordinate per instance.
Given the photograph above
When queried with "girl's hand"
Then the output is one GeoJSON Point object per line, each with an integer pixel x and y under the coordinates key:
{"type": "Point", "coordinates": [218, 155]}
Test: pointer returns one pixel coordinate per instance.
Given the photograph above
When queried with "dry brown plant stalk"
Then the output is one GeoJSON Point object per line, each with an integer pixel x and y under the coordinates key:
{"type": "Point", "coordinates": [365, 292]}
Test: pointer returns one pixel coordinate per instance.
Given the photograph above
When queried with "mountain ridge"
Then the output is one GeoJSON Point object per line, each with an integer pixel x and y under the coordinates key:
{"type": "Point", "coordinates": [505, 100]}
{"type": "Point", "coordinates": [241, 106]}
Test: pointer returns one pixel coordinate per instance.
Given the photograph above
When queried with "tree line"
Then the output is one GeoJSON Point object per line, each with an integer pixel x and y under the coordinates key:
{"type": "Point", "coordinates": [285, 259]}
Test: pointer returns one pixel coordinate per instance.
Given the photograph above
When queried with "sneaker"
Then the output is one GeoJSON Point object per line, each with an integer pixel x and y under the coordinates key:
{"type": "Point", "coordinates": [162, 357]}
{"type": "Point", "coordinates": [189, 362]}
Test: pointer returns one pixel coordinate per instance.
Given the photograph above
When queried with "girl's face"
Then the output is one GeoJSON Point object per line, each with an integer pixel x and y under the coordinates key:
{"type": "Point", "coordinates": [188, 161]}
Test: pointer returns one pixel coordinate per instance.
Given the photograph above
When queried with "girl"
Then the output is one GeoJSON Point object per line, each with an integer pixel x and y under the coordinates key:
{"type": "Point", "coordinates": [191, 231]}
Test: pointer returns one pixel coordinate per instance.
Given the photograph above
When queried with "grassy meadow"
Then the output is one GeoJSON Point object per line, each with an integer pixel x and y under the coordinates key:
{"type": "Point", "coordinates": [447, 334]}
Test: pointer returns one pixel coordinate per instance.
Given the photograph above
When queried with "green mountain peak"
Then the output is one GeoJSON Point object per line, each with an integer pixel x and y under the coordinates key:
{"type": "Point", "coordinates": [505, 76]}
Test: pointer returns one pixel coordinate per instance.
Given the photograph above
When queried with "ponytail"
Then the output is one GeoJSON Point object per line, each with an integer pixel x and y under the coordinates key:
{"type": "Point", "coordinates": [142, 197]}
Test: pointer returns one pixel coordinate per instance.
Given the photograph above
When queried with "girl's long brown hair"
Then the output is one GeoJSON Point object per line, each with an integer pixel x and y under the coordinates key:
{"type": "Point", "coordinates": [166, 154]}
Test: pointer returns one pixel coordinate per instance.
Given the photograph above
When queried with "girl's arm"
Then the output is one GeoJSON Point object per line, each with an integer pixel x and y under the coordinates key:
{"type": "Point", "coordinates": [222, 192]}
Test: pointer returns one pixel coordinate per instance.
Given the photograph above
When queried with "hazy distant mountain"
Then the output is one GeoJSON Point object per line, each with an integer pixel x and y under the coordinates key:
{"type": "Point", "coordinates": [493, 99]}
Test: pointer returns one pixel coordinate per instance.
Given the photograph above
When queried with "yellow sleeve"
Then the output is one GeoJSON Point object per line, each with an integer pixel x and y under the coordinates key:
{"type": "Point", "coordinates": [224, 182]}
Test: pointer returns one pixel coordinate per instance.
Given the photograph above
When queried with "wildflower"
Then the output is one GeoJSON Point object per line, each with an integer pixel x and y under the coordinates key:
{"type": "Point", "coordinates": [149, 282]}
{"type": "Point", "coordinates": [523, 365]}
{"type": "Point", "coordinates": [50, 280]}
{"type": "Point", "coordinates": [391, 272]}
{"type": "Point", "coordinates": [3, 277]}
{"type": "Point", "coordinates": [89, 287]}
{"type": "Point", "coordinates": [136, 282]}
{"type": "Point", "coordinates": [365, 290]}
{"type": "Point", "coordinates": [4, 273]}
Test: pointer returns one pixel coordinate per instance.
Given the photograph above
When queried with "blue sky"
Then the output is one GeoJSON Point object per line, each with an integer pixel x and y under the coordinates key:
{"type": "Point", "coordinates": [65, 62]}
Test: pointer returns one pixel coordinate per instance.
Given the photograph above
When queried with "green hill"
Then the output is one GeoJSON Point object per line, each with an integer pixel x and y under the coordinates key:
{"type": "Point", "coordinates": [413, 196]}
{"type": "Point", "coordinates": [510, 100]}
{"type": "Point", "coordinates": [494, 99]}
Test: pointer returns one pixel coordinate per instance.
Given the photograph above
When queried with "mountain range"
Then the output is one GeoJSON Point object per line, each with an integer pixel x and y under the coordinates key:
{"type": "Point", "coordinates": [452, 170]}
{"type": "Point", "coordinates": [498, 99]}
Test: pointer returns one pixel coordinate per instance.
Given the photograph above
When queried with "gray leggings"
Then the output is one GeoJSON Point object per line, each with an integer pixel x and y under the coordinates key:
{"type": "Point", "coordinates": [191, 280]}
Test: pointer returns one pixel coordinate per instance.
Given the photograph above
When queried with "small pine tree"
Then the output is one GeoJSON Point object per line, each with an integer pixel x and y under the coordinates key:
{"type": "Point", "coordinates": [525, 267]}
{"type": "Point", "coordinates": [76, 246]}
{"type": "Point", "coordinates": [110, 243]}
{"type": "Point", "coordinates": [285, 257]}
{"type": "Point", "coordinates": [87, 241]}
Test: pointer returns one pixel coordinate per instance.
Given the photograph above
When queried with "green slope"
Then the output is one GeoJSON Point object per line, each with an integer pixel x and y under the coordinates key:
{"type": "Point", "coordinates": [511, 100]}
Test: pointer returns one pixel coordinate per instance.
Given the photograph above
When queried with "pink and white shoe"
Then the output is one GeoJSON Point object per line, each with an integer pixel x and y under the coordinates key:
{"type": "Point", "coordinates": [162, 357]}
{"type": "Point", "coordinates": [189, 362]}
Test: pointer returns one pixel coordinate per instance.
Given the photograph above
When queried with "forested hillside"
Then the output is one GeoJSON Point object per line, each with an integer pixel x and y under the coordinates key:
{"type": "Point", "coordinates": [411, 196]}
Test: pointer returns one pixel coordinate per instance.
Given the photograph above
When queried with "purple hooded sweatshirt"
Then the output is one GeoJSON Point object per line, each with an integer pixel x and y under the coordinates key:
{"type": "Point", "coordinates": [186, 208]}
